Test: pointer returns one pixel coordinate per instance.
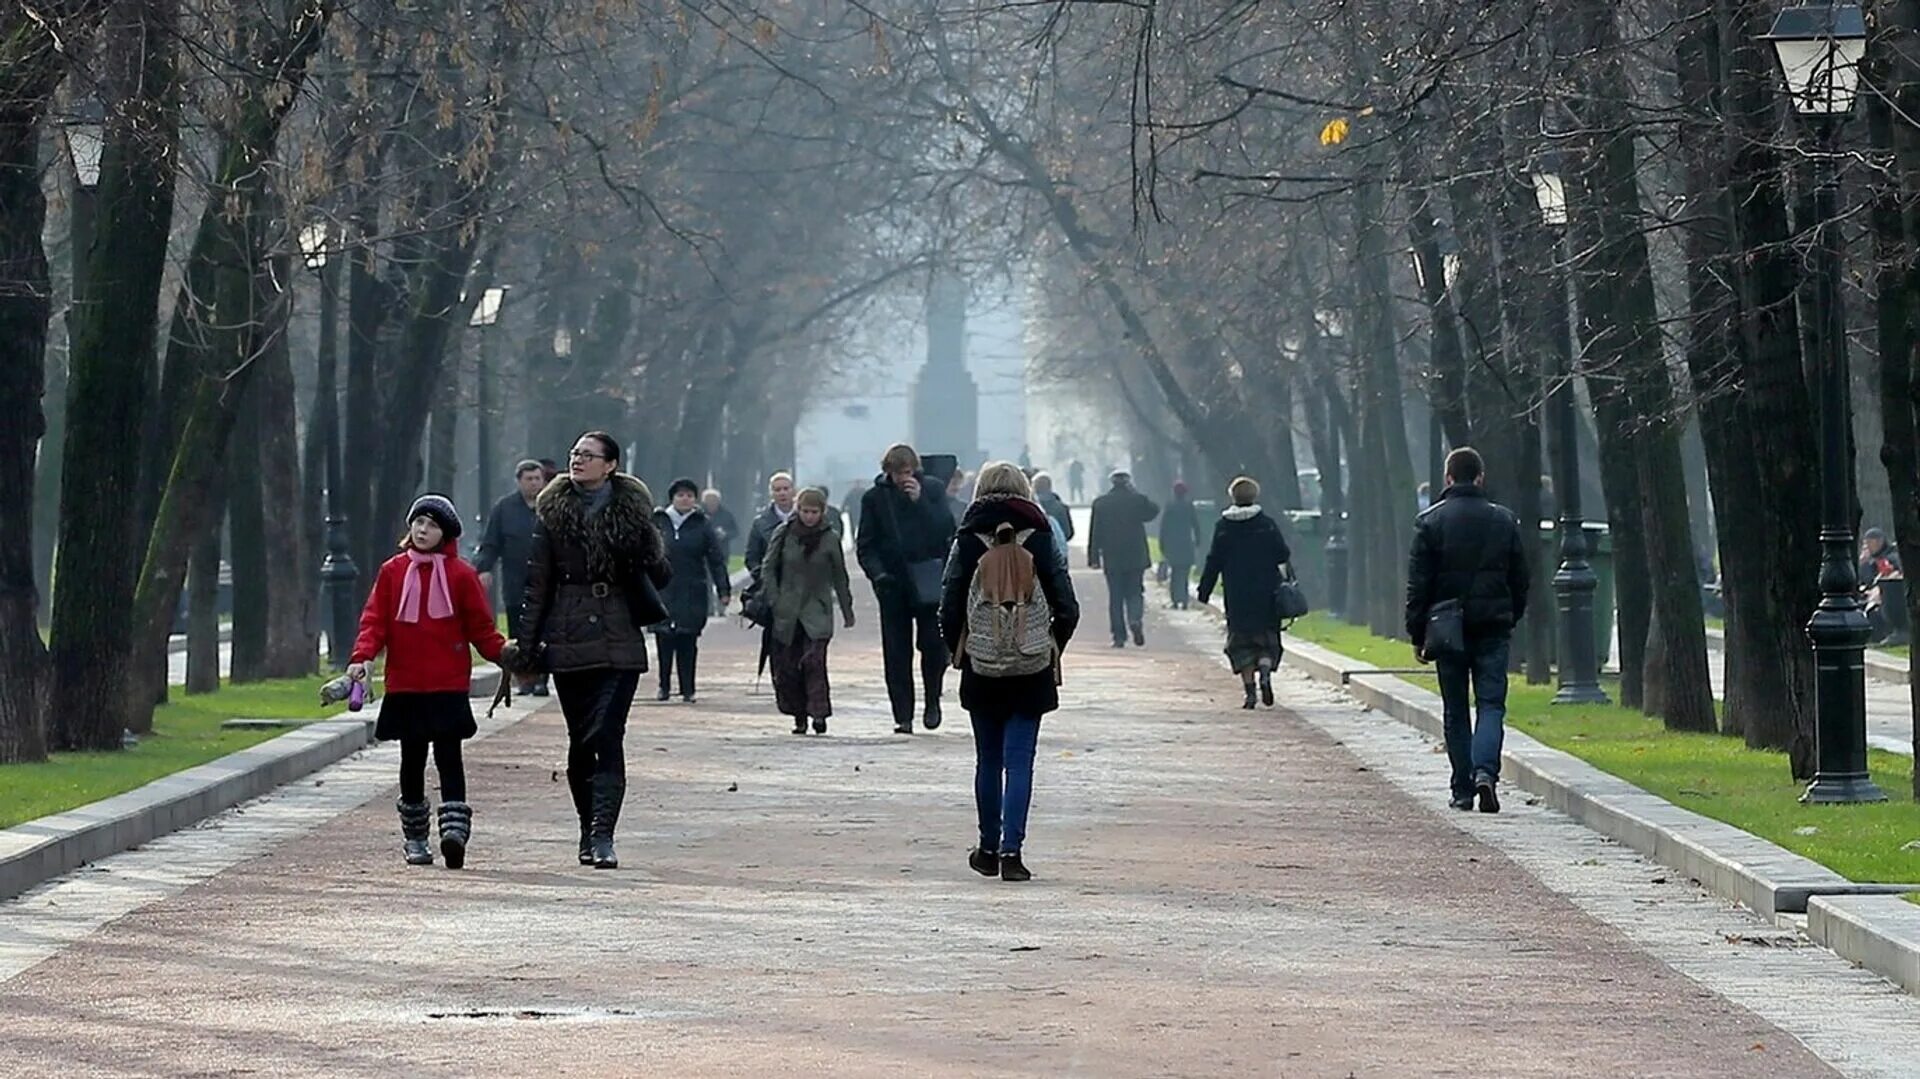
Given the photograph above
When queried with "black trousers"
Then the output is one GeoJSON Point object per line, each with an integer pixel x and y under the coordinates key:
{"type": "Point", "coordinates": [446, 760]}
{"type": "Point", "coordinates": [1179, 576]}
{"type": "Point", "coordinates": [1126, 600]}
{"type": "Point", "coordinates": [902, 623]}
{"type": "Point", "coordinates": [678, 653]}
{"type": "Point", "coordinates": [595, 704]}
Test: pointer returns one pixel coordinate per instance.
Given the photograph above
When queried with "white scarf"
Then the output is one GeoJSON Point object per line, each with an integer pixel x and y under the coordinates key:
{"type": "Point", "coordinates": [677, 518]}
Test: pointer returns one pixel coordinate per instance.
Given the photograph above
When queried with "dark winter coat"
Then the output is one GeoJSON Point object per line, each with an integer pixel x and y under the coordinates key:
{"type": "Point", "coordinates": [1468, 548]}
{"type": "Point", "coordinates": [585, 574]}
{"type": "Point", "coordinates": [694, 552]}
{"type": "Point", "coordinates": [896, 531]}
{"type": "Point", "coordinates": [1056, 508]}
{"type": "Point", "coordinates": [759, 533]}
{"type": "Point", "coordinates": [1117, 536]}
{"type": "Point", "coordinates": [728, 528]}
{"type": "Point", "coordinates": [1248, 549]}
{"type": "Point", "coordinates": [805, 587]}
{"type": "Point", "coordinates": [506, 544]}
{"type": "Point", "coordinates": [1027, 695]}
{"type": "Point", "coordinates": [1180, 533]}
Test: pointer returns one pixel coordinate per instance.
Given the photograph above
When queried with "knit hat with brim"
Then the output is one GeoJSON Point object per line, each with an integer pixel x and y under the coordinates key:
{"type": "Point", "coordinates": [440, 508]}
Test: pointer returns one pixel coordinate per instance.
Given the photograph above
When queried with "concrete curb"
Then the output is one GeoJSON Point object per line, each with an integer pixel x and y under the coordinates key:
{"type": "Point", "coordinates": [41, 849]}
{"type": "Point", "coordinates": [49, 846]}
{"type": "Point", "coordinates": [1881, 933]}
{"type": "Point", "coordinates": [177, 643]}
{"type": "Point", "coordinates": [1726, 860]}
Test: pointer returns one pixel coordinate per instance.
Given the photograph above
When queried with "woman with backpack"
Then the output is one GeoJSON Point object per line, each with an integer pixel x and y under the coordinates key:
{"type": "Point", "coordinates": [1007, 611]}
{"type": "Point", "coordinates": [805, 572]}
{"type": "Point", "coordinates": [1248, 550]}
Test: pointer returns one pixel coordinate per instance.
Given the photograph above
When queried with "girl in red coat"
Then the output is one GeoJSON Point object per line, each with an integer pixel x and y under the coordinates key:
{"type": "Point", "coordinates": [427, 606]}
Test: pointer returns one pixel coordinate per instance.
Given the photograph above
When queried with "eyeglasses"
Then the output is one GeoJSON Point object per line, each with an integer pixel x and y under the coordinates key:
{"type": "Point", "coordinates": [587, 455]}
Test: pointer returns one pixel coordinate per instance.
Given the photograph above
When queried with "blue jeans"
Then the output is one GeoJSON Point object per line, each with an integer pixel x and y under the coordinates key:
{"type": "Point", "coordinates": [1473, 745]}
{"type": "Point", "coordinates": [1003, 778]}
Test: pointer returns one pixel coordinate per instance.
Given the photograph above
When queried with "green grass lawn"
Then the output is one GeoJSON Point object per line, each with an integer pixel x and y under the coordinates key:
{"type": "Point", "coordinates": [1713, 775]}
{"type": "Point", "coordinates": [186, 732]}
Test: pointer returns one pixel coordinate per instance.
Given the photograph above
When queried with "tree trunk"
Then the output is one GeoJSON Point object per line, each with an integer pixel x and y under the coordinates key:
{"type": "Point", "coordinates": [203, 604]}
{"type": "Point", "coordinates": [292, 571]}
{"type": "Point", "coordinates": [248, 546]}
{"type": "Point", "coordinates": [24, 313]}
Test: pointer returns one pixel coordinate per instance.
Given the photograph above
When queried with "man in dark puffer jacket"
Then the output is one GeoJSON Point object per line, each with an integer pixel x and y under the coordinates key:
{"type": "Point", "coordinates": [1467, 548]}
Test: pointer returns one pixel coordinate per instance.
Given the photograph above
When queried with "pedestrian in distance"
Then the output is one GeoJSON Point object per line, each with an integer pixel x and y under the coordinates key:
{"type": "Point", "coordinates": [850, 506]}
{"type": "Point", "coordinates": [505, 546]}
{"type": "Point", "coordinates": [1467, 580]}
{"type": "Point", "coordinates": [592, 588]}
{"type": "Point", "coordinates": [724, 524]}
{"type": "Point", "coordinates": [1007, 611]}
{"type": "Point", "coordinates": [780, 496]}
{"type": "Point", "coordinates": [956, 494]}
{"type": "Point", "coordinates": [1056, 507]}
{"type": "Point", "coordinates": [1180, 544]}
{"type": "Point", "coordinates": [426, 610]}
{"type": "Point", "coordinates": [905, 532]}
{"type": "Point", "coordinates": [1077, 480]}
{"type": "Point", "coordinates": [699, 568]}
{"type": "Point", "coordinates": [805, 574]}
{"type": "Point", "coordinates": [1117, 546]}
{"type": "Point", "coordinates": [1248, 551]}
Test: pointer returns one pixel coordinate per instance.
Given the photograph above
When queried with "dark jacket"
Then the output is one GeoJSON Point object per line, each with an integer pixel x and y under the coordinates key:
{"type": "Point", "coordinates": [758, 535]}
{"type": "Point", "coordinates": [585, 577]}
{"type": "Point", "coordinates": [1248, 549]}
{"type": "Point", "coordinates": [1180, 533]}
{"type": "Point", "coordinates": [1468, 548]}
{"type": "Point", "coordinates": [1056, 508]}
{"type": "Point", "coordinates": [1034, 694]}
{"type": "Point", "coordinates": [506, 544]}
{"type": "Point", "coordinates": [896, 530]}
{"type": "Point", "coordinates": [694, 552]}
{"type": "Point", "coordinates": [1117, 536]}
{"type": "Point", "coordinates": [728, 529]}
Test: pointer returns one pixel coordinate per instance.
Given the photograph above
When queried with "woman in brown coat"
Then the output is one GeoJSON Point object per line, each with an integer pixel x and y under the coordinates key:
{"type": "Point", "coordinates": [805, 573]}
{"type": "Point", "coordinates": [592, 585]}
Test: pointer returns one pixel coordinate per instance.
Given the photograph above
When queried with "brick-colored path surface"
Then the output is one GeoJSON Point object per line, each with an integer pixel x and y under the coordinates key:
{"type": "Point", "coordinates": [1217, 893]}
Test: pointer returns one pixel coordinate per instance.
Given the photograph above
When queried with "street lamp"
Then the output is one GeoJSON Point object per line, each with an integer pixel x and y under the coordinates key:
{"type": "Point", "coordinates": [338, 573]}
{"type": "Point", "coordinates": [1820, 48]}
{"type": "Point", "coordinates": [486, 314]}
{"type": "Point", "coordinates": [1574, 582]}
{"type": "Point", "coordinates": [1332, 499]}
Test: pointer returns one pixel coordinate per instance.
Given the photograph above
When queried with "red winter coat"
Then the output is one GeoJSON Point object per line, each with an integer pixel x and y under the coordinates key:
{"type": "Point", "coordinates": [428, 656]}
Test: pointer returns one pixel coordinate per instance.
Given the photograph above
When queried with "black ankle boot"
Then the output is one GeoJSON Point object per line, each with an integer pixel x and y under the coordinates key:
{"type": "Point", "coordinates": [1012, 868]}
{"type": "Point", "coordinates": [984, 862]}
{"type": "Point", "coordinates": [1251, 699]}
{"type": "Point", "coordinates": [1266, 688]}
{"type": "Point", "coordinates": [799, 724]}
{"type": "Point", "coordinates": [456, 827]}
{"type": "Point", "coordinates": [608, 792]}
{"type": "Point", "coordinates": [416, 819]}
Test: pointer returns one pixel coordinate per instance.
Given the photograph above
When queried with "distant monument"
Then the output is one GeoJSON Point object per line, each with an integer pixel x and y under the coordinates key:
{"type": "Point", "coordinates": [946, 401]}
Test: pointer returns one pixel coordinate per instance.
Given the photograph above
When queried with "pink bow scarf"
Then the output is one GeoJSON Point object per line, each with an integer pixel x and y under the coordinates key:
{"type": "Point", "coordinates": [440, 603]}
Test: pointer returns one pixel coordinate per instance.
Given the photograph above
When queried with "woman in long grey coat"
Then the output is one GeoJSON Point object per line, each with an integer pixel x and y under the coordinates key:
{"type": "Point", "coordinates": [805, 573]}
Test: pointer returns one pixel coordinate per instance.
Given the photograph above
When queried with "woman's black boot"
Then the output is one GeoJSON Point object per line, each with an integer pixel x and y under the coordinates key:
{"type": "Point", "coordinates": [456, 827]}
{"type": "Point", "coordinates": [608, 792]}
{"type": "Point", "coordinates": [1266, 688]}
{"type": "Point", "coordinates": [1251, 700]}
{"type": "Point", "coordinates": [799, 724]}
{"type": "Point", "coordinates": [416, 820]}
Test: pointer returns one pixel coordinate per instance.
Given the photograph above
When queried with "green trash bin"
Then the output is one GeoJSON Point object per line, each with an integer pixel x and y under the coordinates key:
{"type": "Point", "coordinates": [1309, 546]}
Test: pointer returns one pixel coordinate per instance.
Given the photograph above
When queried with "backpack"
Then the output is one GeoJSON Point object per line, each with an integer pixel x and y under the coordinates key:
{"type": "Point", "coordinates": [1013, 637]}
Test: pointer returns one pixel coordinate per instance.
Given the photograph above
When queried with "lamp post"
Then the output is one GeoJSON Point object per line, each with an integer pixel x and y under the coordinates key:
{"type": "Point", "coordinates": [1820, 47]}
{"type": "Point", "coordinates": [338, 573]}
{"type": "Point", "coordinates": [485, 315]}
{"type": "Point", "coordinates": [1436, 294]}
{"type": "Point", "coordinates": [1332, 503]}
{"type": "Point", "coordinates": [1574, 582]}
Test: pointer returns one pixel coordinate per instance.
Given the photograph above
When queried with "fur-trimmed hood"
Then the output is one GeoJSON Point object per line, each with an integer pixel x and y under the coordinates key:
{"type": "Point", "coordinates": [620, 537]}
{"type": "Point", "coordinates": [1241, 513]}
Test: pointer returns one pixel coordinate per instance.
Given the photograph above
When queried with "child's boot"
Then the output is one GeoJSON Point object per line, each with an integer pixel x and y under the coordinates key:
{"type": "Point", "coordinates": [456, 826]}
{"type": "Point", "coordinates": [415, 821]}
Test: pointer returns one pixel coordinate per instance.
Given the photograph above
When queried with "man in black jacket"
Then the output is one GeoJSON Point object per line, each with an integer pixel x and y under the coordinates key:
{"type": "Point", "coordinates": [1117, 544]}
{"type": "Point", "coordinates": [905, 532]}
{"type": "Point", "coordinates": [1467, 548]}
{"type": "Point", "coordinates": [506, 545]}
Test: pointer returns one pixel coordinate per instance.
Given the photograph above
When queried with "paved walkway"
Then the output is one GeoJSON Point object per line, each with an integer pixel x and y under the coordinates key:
{"type": "Point", "coordinates": [1217, 893]}
{"type": "Point", "coordinates": [1889, 706]}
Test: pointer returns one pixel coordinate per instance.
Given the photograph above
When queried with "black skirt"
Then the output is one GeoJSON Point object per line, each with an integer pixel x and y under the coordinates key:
{"type": "Point", "coordinates": [428, 716]}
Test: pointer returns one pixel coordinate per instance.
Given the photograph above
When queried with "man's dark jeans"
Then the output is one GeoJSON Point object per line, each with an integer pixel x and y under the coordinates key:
{"type": "Point", "coordinates": [901, 621]}
{"type": "Point", "coordinates": [1179, 577]}
{"type": "Point", "coordinates": [1473, 746]}
{"type": "Point", "coordinates": [1126, 600]}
